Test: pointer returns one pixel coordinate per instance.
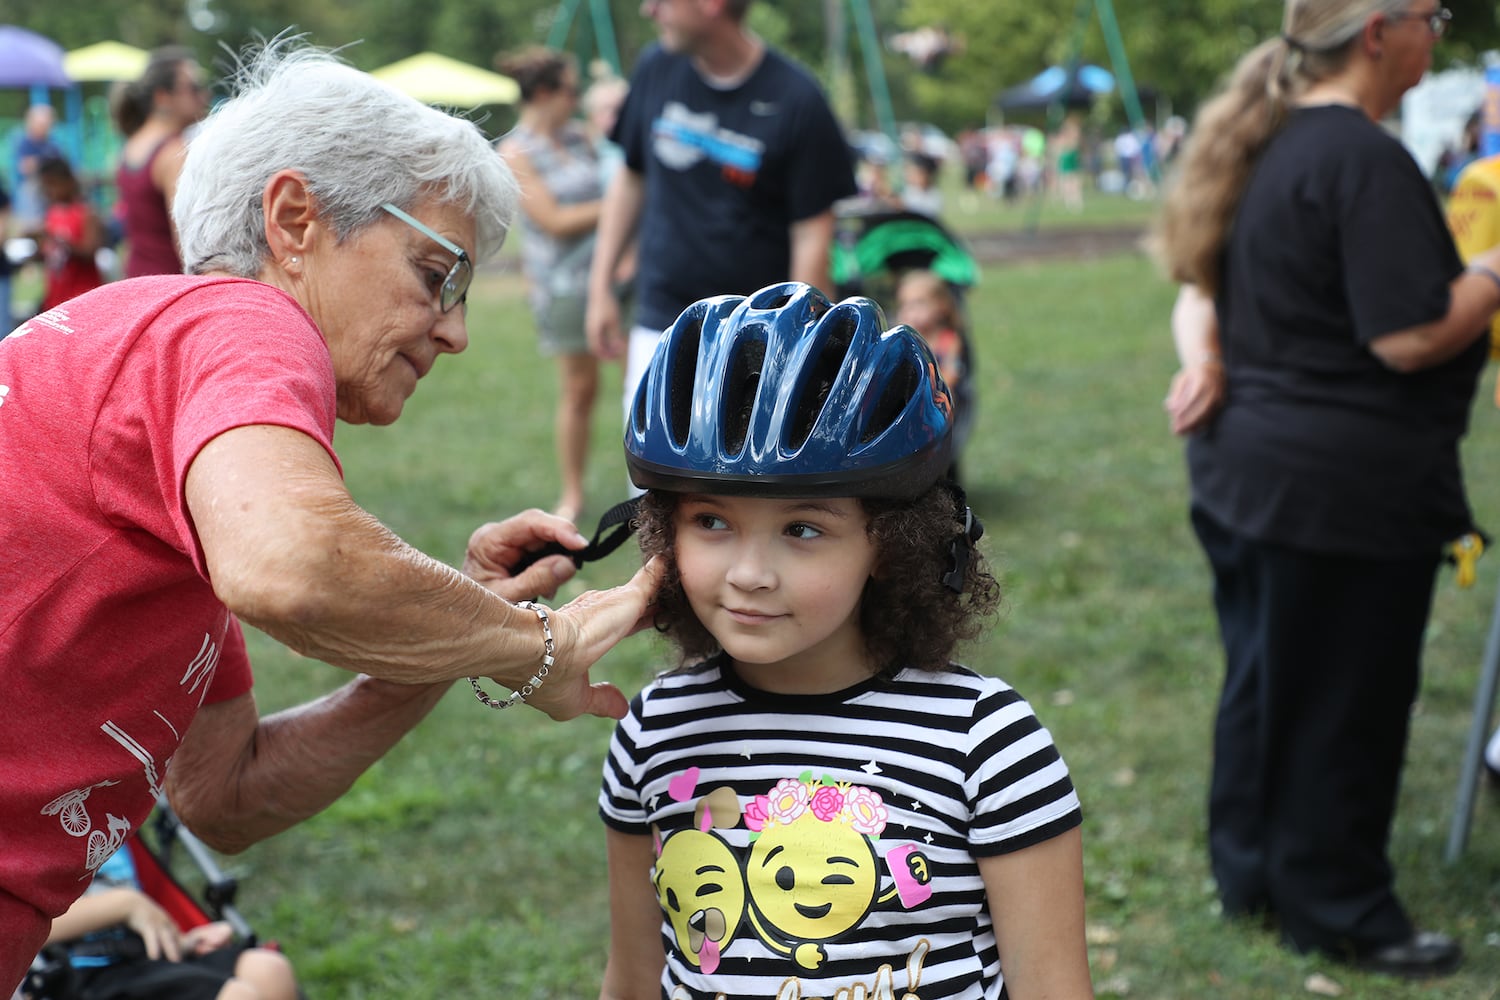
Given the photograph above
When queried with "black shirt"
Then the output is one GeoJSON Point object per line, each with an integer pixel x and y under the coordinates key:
{"type": "Point", "coordinates": [727, 172]}
{"type": "Point", "coordinates": [1337, 241]}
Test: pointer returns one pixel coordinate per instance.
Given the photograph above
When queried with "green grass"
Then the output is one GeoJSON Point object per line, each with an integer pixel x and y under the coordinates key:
{"type": "Point", "coordinates": [470, 862]}
{"type": "Point", "coordinates": [969, 213]}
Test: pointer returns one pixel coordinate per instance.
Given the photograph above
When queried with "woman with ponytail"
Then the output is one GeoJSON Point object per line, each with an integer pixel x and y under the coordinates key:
{"type": "Point", "coordinates": [1330, 341]}
{"type": "Point", "coordinates": [153, 113]}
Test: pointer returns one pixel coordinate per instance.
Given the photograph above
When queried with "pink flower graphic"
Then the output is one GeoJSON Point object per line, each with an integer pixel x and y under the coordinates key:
{"type": "Point", "coordinates": [827, 803]}
{"type": "Point", "coordinates": [792, 798]}
{"type": "Point", "coordinates": [757, 812]}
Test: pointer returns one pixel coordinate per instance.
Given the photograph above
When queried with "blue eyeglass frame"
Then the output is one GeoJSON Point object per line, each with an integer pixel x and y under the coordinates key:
{"type": "Point", "coordinates": [455, 290]}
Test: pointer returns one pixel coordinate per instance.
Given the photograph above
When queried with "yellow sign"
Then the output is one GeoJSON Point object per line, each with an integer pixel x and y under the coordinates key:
{"type": "Point", "coordinates": [1474, 217]}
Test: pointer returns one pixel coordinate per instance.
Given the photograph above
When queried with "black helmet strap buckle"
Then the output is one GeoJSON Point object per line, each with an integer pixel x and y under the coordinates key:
{"type": "Point", "coordinates": [617, 524]}
{"type": "Point", "coordinates": [961, 548]}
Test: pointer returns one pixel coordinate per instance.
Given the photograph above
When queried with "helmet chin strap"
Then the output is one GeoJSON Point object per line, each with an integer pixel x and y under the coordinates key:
{"type": "Point", "coordinates": [617, 524]}
{"type": "Point", "coordinates": [961, 547]}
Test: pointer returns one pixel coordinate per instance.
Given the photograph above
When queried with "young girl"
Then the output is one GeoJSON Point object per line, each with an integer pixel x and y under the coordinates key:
{"type": "Point", "coordinates": [819, 803]}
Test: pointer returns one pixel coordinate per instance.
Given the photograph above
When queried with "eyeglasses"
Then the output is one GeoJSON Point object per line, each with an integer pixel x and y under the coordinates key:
{"type": "Point", "coordinates": [1437, 21]}
{"type": "Point", "coordinates": [456, 283]}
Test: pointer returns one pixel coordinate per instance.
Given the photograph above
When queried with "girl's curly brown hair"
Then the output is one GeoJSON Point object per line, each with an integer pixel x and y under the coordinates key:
{"type": "Point", "coordinates": [907, 615]}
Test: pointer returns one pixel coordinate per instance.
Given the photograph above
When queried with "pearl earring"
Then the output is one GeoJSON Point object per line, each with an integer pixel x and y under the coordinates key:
{"type": "Point", "coordinates": [293, 260]}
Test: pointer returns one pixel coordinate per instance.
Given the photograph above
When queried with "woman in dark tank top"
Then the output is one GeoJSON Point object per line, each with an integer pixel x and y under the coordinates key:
{"type": "Point", "coordinates": [153, 113]}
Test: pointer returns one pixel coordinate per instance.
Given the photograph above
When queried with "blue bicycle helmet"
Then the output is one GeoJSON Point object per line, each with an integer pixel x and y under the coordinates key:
{"type": "Point", "coordinates": [782, 394]}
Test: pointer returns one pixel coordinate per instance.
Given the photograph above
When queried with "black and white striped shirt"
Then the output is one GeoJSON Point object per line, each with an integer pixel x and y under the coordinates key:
{"type": "Point", "coordinates": [825, 845]}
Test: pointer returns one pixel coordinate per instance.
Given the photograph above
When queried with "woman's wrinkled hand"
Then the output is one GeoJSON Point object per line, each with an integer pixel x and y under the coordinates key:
{"type": "Point", "coordinates": [496, 548]}
{"type": "Point", "coordinates": [585, 629]}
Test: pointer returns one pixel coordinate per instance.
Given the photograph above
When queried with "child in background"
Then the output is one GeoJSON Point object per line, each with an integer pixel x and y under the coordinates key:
{"type": "Point", "coordinates": [927, 304]}
{"type": "Point", "coordinates": [920, 192]}
{"type": "Point", "coordinates": [819, 803]}
{"type": "Point", "coordinates": [122, 945]}
{"type": "Point", "coordinates": [601, 106]}
{"type": "Point", "coordinates": [70, 237]}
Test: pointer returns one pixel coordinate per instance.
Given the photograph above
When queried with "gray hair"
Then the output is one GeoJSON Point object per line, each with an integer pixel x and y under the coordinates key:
{"type": "Point", "coordinates": [359, 143]}
{"type": "Point", "coordinates": [1326, 26]}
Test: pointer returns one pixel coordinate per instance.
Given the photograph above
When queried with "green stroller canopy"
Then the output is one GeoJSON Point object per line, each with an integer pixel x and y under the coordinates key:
{"type": "Point", "coordinates": [906, 239]}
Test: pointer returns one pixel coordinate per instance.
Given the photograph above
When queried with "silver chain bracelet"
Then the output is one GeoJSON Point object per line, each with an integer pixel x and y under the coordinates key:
{"type": "Point", "coordinates": [548, 648]}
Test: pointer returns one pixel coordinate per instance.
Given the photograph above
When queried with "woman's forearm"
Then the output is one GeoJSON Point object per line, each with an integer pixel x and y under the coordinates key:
{"type": "Point", "coordinates": [291, 553]}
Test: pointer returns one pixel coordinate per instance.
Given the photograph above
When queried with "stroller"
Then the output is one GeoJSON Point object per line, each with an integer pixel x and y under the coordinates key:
{"type": "Point", "coordinates": [874, 245]}
{"type": "Point", "coordinates": [51, 973]}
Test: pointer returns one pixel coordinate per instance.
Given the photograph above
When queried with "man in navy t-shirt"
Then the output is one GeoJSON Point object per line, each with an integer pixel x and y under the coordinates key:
{"type": "Point", "coordinates": [733, 162]}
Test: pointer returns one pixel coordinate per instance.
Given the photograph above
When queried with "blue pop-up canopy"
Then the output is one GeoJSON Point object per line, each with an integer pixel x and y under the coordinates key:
{"type": "Point", "coordinates": [30, 60]}
{"type": "Point", "coordinates": [1072, 87]}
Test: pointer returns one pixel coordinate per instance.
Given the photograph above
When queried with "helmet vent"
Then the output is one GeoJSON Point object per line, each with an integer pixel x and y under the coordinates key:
{"type": "Point", "coordinates": [819, 381]}
{"type": "Point", "coordinates": [684, 373]}
{"type": "Point", "coordinates": [903, 384]}
{"type": "Point", "coordinates": [773, 297]}
{"type": "Point", "coordinates": [740, 388]}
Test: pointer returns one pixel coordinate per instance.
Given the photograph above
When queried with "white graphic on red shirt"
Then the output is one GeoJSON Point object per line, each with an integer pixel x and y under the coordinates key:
{"type": "Point", "coordinates": [102, 846]}
{"type": "Point", "coordinates": [76, 822]}
{"type": "Point", "coordinates": [201, 670]}
{"type": "Point", "coordinates": [140, 753]}
{"type": "Point", "coordinates": [56, 318]}
{"type": "Point", "coordinates": [69, 807]}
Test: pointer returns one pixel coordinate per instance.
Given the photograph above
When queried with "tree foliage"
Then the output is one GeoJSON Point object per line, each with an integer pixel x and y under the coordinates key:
{"type": "Point", "coordinates": [1178, 50]}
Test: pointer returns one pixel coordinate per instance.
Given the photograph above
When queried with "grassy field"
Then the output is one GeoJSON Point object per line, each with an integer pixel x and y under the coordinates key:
{"type": "Point", "coordinates": [470, 861]}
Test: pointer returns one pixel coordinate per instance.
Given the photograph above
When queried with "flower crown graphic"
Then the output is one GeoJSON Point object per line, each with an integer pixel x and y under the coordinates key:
{"type": "Point", "coordinates": [827, 800]}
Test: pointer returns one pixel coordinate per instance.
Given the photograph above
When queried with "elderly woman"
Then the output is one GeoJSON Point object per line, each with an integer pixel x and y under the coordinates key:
{"type": "Point", "coordinates": [1330, 342]}
{"type": "Point", "coordinates": [174, 438]}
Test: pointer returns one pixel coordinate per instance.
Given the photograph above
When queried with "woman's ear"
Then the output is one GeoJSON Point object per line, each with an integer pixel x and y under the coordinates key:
{"type": "Point", "coordinates": [1374, 35]}
{"type": "Point", "coordinates": [290, 214]}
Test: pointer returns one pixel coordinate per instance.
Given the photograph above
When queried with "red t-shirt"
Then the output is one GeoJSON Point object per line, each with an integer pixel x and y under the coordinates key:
{"type": "Point", "coordinates": [110, 634]}
{"type": "Point", "coordinates": [68, 274]}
